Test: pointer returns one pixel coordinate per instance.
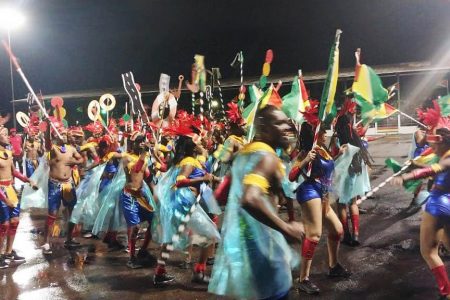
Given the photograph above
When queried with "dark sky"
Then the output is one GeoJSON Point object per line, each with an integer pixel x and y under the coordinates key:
{"type": "Point", "coordinates": [72, 45]}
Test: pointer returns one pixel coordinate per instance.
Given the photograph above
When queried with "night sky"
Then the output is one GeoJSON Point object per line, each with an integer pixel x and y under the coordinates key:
{"type": "Point", "coordinates": [77, 45]}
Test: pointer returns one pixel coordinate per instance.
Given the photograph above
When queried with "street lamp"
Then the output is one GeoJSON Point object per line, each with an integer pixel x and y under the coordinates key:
{"type": "Point", "coordinates": [11, 19]}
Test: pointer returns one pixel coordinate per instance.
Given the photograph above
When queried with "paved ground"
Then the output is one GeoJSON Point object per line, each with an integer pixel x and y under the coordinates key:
{"type": "Point", "coordinates": [387, 265]}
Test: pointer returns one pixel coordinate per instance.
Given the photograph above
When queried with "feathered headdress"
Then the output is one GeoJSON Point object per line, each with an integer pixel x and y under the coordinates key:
{"type": "Point", "coordinates": [94, 127]}
{"type": "Point", "coordinates": [234, 114]}
{"type": "Point", "coordinates": [76, 131]}
{"type": "Point", "coordinates": [433, 118]}
{"type": "Point", "coordinates": [58, 124]}
{"type": "Point", "coordinates": [311, 113]}
{"type": "Point", "coordinates": [347, 106]}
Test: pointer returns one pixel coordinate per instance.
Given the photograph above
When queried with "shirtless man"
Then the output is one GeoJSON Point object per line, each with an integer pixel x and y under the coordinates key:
{"type": "Point", "coordinates": [61, 187]}
{"type": "Point", "coordinates": [134, 201]}
{"type": "Point", "coordinates": [9, 203]}
{"type": "Point", "coordinates": [75, 137]}
{"type": "Point", "coordinates": [33, 150]}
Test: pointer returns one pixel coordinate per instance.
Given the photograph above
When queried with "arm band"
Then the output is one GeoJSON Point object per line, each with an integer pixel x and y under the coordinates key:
{"type": "Point", "coordinates": [425, 172]}
{"type": "Point", "coordinates": [182, 181]}
{"type": "Point", "coordinates": [19, 175]}
{"type": "Point", "coordinates": [163, 167]}
{"type": "Point", "coordinates": [295, 172]}
{"type": "Point", "coordinates": [96, 159]}
{"type": "Point", "coordinates": [257, 180]}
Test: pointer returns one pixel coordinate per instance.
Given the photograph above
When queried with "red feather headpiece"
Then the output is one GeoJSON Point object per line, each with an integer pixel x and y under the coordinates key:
{"type": "Point", "coordinates": [311, 113]}
{"type": "Point", "coordinates": [347, 106]}
{"type": "Point", "coordinates": [433, 118]}
{"type": "Point", "coordinates": [234, 114]}
{"type": "Point", "coordinates": [94, 127]}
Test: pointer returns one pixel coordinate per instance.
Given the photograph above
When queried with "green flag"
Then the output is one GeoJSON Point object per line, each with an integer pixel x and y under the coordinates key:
{"type": "Point", "coordinates": [327, 109]}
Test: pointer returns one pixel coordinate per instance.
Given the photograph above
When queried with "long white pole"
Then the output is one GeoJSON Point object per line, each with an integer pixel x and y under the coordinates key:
{"type": "Point", "coordinates": [25, 80]}
{"type": "Point", "coordinates": [12, 80]}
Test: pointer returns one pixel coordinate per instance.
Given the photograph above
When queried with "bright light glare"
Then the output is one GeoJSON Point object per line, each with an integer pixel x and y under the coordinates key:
{"type": "Point", "coordinates": [11, 18]}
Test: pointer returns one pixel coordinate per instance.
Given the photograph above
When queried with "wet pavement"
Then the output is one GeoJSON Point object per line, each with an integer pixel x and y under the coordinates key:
{"type": "Point", "coordinates": [388, 265]}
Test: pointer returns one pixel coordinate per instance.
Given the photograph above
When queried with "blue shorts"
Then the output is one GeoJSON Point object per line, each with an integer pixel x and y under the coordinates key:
{"type": "Point", "coordinates": [29, 167]}
{"type": "Point", "coordinates": [133, 212]}
{"type": "Point", "coordinates": [438, 205]}
{"type": "Point", "coordinates": [55, 196]}
{"type": "Point", "coordinates": [7, 213]}
{"type": "Point", "coordinates": [309, 190]}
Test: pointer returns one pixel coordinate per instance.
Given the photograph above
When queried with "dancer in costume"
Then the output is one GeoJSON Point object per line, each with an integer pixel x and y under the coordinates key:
{"type": "Point", "coordinates": [9, 203]}
{"type": "Point", "coordinates": [418, 146]}
{"type": "Point", "coordinates": [357, 178]}
{"type": "Point", "coordinates": [136, 199]}
{"type": "Point", "coordinates": [86, 149]}
{"type": "Point", "coordinates": [61, 187]}
{"type": "Point", "coordinates": [178, 191]}
{"type": "Point", "coordinates": [312, 196]}
{"type": "Point", "coordinates": [16, 147]}
{"type": "Point", "coordinates": [437, 209]}
{"type": "Point", "coordinates": [235, 140]}
{"type": "Point", "coordinates": [110, 153]}
{"type": "Point", "coordinates": [226, 152]}
{"type": "Point", "coordinates": [33, 150]}
{"type": "Point", "coordinates": [253, 260]}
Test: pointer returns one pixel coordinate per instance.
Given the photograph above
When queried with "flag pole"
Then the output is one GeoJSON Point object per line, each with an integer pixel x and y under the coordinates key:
{"type": "Point", "coordinates": [25, 80]}
{"type": "Point", "coordinates": [316, 134]}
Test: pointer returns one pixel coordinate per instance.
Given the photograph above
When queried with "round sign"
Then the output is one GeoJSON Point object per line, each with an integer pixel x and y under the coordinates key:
{"type": "Point", "coordinates": [93, 110]}
{"type": "Point", "coordinates": [57, 102]}
{"type": "Point", "coordinates": [22, 119]}
{"type": "Point", "coordinates": [107, 102]}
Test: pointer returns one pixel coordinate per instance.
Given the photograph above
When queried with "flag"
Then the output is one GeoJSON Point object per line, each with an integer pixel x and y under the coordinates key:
{"type": "Point", "coordinates": [265, 99]}
{"type": "Point", "coordinates": [426, 158]}
{"type": "Point", "coordinates": [275, 99]}
{"type": "Point", "coordinates": [295, 101]}
{"type": "Point", "coordinates": [327, 109]}
{"type": "Point", "coordinates": [369, 113]}
{"type": "Point", "coordinates": [368, 89]}
{"type": "Point", "coordinates": [258, 100]}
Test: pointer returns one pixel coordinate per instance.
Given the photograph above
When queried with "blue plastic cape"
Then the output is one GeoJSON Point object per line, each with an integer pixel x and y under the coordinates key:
{"type": "Point", "coordinates": [110, 216]}
{"type": "Point", "coordinates": [253, 261]}
{"type": "Point", "coordinates": [346, 186]}
{"type": "Point", "coordinates": [86, 209]}
{"type": "Point", "coordinates": [208, 201]}
{"type": "Point", "coordinates": [31, 198]}
{"type": "Point", "coordinates": [173, 205]}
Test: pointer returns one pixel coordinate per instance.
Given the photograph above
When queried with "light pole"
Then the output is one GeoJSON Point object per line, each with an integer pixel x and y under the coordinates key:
{"type": "Point", "coordinates": [11, 19]}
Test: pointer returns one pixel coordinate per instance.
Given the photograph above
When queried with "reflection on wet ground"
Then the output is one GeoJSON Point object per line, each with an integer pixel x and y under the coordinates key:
{"type": "Point", "coordinates": [387, 266]}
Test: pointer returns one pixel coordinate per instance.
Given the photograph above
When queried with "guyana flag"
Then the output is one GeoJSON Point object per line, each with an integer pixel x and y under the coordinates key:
{"type": "Point", "coordinates": [368, 89]}
{"type": "Point", "coordinates": [296, 101]}
{"type": "Point", "coordinates": [327, 109]}
{"type": "Point", "coordinates": [258, 99]}
{"type": "Point", "coordinates": [369, 113]}
{"type": "Point", "coordinates": [426, 158]}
